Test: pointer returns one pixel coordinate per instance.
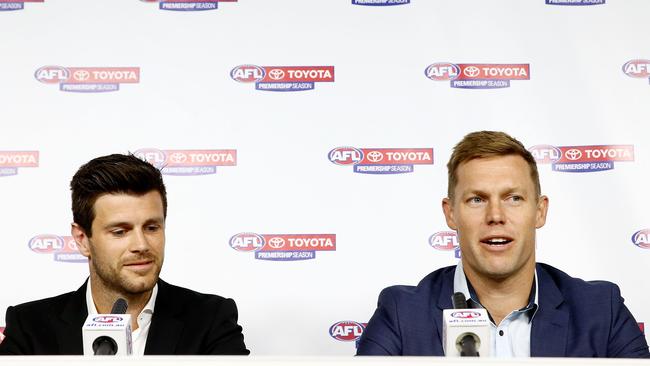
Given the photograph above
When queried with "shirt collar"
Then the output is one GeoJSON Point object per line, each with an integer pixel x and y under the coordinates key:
{"type": "Point", "coordinates": [148, 308]}
{"type": "Point", "coordinates": [461, 284]}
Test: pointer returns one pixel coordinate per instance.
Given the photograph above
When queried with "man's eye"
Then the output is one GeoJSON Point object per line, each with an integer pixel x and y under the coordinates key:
{"type": "Point", "coordinates": [475, 199]}
{"type": "Point", "coordinates": [153, 228]}
{"type": "Point", "coordinates": [118, 232]}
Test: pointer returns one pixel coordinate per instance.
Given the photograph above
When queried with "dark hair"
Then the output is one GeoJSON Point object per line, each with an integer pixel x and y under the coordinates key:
{"type": "Point", "coordinates": [116, 173]}
{"type": "Point", "coordinates": [487, 144]}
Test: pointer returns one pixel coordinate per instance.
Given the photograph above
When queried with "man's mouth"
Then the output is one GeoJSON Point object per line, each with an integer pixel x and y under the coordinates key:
{"type": "Point", "coordinates": [497, 240]}
{"type": "Point", "coordinates": [139, 266]}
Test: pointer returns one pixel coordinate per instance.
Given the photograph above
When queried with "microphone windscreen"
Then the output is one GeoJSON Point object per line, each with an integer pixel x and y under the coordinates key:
{"type": "Point", "coordinates": [459, 300]}
{"type": "Point", "coordinates": [119, 307]}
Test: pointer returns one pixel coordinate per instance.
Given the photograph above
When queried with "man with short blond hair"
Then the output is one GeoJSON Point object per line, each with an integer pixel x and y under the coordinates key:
{"type": "Point", "coordinates": [495, 205]}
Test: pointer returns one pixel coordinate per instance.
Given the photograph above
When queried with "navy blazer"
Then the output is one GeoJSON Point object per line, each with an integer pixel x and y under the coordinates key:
{"type": "Point", "coordinates": [575, 319]}
{"type": "Point", "coordinates": [184, 322]}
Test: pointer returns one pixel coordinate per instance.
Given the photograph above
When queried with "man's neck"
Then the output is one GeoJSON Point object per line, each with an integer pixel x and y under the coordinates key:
{"type": "Point", "coordinates": [502, 296]}
{"type": "Point", "coordinates": [105, 297]}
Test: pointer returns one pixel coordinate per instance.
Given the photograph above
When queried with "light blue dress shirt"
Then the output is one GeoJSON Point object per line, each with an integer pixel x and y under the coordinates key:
{"type": "Point", "coordinates": [511, 338]}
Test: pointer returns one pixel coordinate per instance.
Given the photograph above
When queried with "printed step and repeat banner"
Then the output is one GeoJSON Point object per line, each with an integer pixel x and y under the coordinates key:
{"type": "Point", "coordinates": [304, 143]}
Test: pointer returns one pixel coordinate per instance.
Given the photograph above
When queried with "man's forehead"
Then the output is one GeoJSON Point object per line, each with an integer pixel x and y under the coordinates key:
{"type": "Point", "coordinates": [122, 204]}
{"type": "Point", "coordinates": [508, 172]}
{"type": "Point", "coordinates": [512, 161]}
{"type": "Point", "coordinates": [124, 197]}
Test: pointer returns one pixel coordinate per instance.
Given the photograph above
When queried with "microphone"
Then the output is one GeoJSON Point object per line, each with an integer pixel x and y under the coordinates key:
{"type": "Point", "coordinates": [465, 332]}
{"type": "Point", "coordinates": [108, 334]}
{"type": "Point", "coordinates": [120, 306]}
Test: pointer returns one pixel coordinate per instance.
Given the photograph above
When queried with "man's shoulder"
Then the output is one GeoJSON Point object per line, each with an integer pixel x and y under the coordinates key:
{"type": "Point", "coordinates": [568, 284]}
{"type": "Point", "coordinates": [187, 297]}
{"type": "Point", "coordinates": [44, 306]}
{"type": "Point", "coordinates": [431, 284]}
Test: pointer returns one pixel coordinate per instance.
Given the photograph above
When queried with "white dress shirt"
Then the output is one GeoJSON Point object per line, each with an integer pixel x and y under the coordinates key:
{"type": "Point", "coordinates": [139, 336]}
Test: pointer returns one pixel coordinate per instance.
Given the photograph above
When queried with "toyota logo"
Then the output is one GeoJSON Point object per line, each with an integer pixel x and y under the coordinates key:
{"type": "Point", "coordinates": [573, 154]}
{"type": "Point", "coordinates": [375, 156]}
{"type": "Point", "coordinates": [276, 74]}
{"type": "Point", "coordinates": [177, 158]}
{"type": "Point", "coordinates": [81, 75]}
{"type": "Point", "coordinates": [276, 242]}
{"type": "Point", "coordinates": [471, 71]}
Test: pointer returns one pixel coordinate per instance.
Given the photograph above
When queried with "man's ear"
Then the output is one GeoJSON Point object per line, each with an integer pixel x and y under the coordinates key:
{"type": "Point", "coordinates": [448, 210]}
{"type": "Point", "coordinates": [542, 209]}
{"type": "Point", "coordinates": [81, 239]}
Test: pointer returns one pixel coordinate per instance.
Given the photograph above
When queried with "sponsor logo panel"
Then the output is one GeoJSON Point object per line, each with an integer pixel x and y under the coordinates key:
{"type": "Point", "coordinates": [63, 248]}
{"type": "Point", "coordinates": [582, 159]}
{"type": "Point", "coordinates": [88, 79]}
{"type": "Point", "coordinates": [283, 78]}
{"type": "Point", "coordinates": [638, 69]}
{"type": "Point", "coordinates": [381, 160]}
{"type": "Point", "coordinates": [347, 331]}
{"type": "Point", "coordinates": [477, 76]}
{"type": "Point", "coordinates": [9, 5]}
{"type": "Point", "coordinates": [575, 2]}
{"type": "Point", "coordinates": [642, 238]}
{"type": "Point", "coordinates": [380, 2]}
{"type": "Point", "coordinates": [10, 161]}
{"type": "Point", "coordinates": [445, 241]}
{"type": "Point", "coordinates": [188, 5]}
{"type": "Point", "coordinates": [283, 247]}
{"type": "Point", "coordinates": [188, 162]}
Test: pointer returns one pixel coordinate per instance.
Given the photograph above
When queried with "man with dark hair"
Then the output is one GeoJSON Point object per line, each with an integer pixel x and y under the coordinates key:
{"type": "Point", "coordinates": [495, 205]}
{"type": "Point", "coordinates": [119, 206]}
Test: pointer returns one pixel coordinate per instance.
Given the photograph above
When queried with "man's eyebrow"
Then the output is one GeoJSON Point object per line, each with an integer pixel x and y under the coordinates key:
{"type": "Point", "coordinates": [156, 220]}
{"type": "Point", "coordinates": [118, 224]}
{"type": "Point", "coordinates": [482, 193]}
{"type": "Point", "coordinates": [475, 192]}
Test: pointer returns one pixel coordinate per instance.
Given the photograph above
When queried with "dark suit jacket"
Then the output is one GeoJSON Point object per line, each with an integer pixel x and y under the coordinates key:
{"type": "Point", "coordinates": [575, 319]}
{"type": "Point", "coordinates": [184, 322]}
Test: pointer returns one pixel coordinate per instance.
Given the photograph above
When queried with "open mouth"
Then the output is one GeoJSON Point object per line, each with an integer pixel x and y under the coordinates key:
{"type": "Point", "coordinates": [497, 240]}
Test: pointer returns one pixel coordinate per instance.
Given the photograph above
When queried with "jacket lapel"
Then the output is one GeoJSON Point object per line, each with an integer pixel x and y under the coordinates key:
{"type": "Point", "coordinates": [166, 325]}
{"type": "Point", "coordinates": [548, 336]}
{"type": "Point", "coordinates": [444, 299]}
{"type": "Point", "coordinates": [70, 321]}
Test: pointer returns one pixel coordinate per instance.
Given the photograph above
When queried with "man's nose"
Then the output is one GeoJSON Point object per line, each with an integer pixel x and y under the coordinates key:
{"type": "Point", "coordinates": [495, 214]}
{"type": "Point", "coordinates": [140, 243]}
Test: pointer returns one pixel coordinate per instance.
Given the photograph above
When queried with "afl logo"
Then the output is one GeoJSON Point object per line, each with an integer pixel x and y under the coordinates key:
{"type": "Point", "coordinates": [247, 242]}
{"type": "Point", "coordinates": [345, 155]}
{"type": "Point", "coordinates": [107, 319]}
{"type": "Point", "coordinates": [442, 71]}
{"type": "Point", "coordinates": [52, 74]}
{"type": "Point", "coordinates": [247, 73]}
{"type": "Point", "coordinates": [637, 68]}
{"type": "Point", "coordinates": [444, 240]}
{"type": "Point", "coordinates": [46, 243]}
{"type": "Point", "coordinates": [154, 157]}
{"type": "Point", "coordinates": [346, 331]}
{"type": "Point", "coordinates": [466, 314]}
{"type": "Point", "coordinates": [642, 238]}
{"type": "Point", "coordinates": [545, 154]}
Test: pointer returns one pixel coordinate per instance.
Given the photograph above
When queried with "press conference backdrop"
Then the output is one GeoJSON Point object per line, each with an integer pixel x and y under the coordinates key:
{"type": "Point", "coordinates": [304, 142]}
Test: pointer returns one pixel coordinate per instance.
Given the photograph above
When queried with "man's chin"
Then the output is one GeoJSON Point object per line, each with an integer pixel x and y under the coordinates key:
{"type": "Point", "coordinates": [139, 286]}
